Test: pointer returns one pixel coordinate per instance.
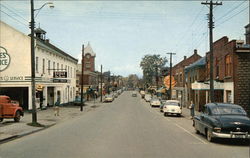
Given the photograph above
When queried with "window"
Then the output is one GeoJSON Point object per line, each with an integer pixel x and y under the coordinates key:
{"type": "Point", "coordinates": [180, 77]}
{"type": "Point", "coordinates": [36, 64]}
{"type": "Point", "coordinates": [62, 66]}
{"type": "Point", "coordinates": [49, 67]}
{"type": "Point", "coordinates": [217, 67]}
{"type": "Point", "coordinates": [43, 66]}
{"type": "Point", "coordinates": [54, 66]}
{"type": "Point", "coordinates": [228, 65]}
{"type": "Point", "coordinates": [57, 66]}
{"type": "Point", "coordinates": [208, 69]}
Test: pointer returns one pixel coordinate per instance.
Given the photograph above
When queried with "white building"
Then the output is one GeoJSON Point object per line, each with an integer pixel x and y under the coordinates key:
{"type": "Point", "coordinates": [15, 69]}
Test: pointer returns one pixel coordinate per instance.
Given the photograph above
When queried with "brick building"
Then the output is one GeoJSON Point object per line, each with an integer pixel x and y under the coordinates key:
{"type": "Point", "coordinates": [195, 73]}
{"type": "Point", "coordinates": [231, 71]}
{"type": "Point", "coordinates": [90, 77]}
{"type": "Point", "coordinates": [179, 75]}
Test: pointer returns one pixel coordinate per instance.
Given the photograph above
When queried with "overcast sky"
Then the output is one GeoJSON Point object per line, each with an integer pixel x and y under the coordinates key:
{"type": "Point", "coordinates": [122, 32]}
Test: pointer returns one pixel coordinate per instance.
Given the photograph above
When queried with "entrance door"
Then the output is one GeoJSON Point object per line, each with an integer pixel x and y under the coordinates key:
{"type": "Point", "coordinates": [50, 96]}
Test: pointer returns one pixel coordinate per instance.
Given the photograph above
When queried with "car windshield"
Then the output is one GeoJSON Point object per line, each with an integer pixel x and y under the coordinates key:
{"type": "Point", "coordinates": [173, 103]}
{"type": "Point", "coordinates": [228, 111]}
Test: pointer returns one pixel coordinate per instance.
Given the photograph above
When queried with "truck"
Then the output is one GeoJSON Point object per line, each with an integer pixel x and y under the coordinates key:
{"type": "Point", "coordinates": [10, 109]}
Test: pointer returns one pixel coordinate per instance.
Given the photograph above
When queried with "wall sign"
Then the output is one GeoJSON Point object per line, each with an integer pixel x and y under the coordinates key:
{"type": "Point", "coordinates": [4, 59]}
{"type": "Point", "coordinates": [60, 74]}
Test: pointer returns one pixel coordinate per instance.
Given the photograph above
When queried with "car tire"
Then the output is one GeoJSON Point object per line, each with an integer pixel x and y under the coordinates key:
{"type": "Point", "coordinates": [17, 116]}
{"type": "Point", "coordinates": [179, 115]}
{"type": "Point", "coordinates": [1, 119]}
{"type": "Point", "coordinates": [165, 114]}
{"type": "Point", "coordinates": [209, 136]}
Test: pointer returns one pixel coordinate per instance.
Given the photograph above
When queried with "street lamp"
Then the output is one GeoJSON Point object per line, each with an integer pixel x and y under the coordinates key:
{"type": "Point", "coordinates": [32, 27]}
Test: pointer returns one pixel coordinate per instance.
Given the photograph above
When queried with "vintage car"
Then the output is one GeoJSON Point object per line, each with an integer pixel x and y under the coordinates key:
{"type": "Point", "coordinates": [155, 102]}
{"type": "Point", "coordinates": [78, 102]}
{"type": "Point", "coordinates": [108, 98]}
{"type": "Point", "coordinates": [172, 107]}
{"type": "Point", "coordinates": [147, 97]}
{"type": "Point", "coordinates": [134, 94]}
{"type": "Point", "coordinates": [142, 94]}
{"type": "Point", "coordinates": [10, 109]}
{"type": "Point", "coordinates": [222, 120]}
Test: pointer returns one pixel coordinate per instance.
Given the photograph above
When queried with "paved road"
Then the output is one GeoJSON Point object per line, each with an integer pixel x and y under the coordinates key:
{"type": "Point", "coordinates": [126, 128]}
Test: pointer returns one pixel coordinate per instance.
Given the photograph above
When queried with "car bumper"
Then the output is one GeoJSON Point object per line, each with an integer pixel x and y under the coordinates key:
{"type": "Point", "coordinates": [243, 135]}
{"type": "Point", "coordinates": [172, 112]}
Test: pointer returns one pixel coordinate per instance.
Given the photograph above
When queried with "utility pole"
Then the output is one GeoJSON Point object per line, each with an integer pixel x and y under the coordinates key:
{"type": "Point", "coordinates": [170, 83]}
{"type": "Point", "coordinates": [33, 90]}
{"type": "Point", "coordinates": [101, 84]}
{"type": "Point", "coordinates": [82, 78]}
{"type": "Point", "coordinates": [211, 26]}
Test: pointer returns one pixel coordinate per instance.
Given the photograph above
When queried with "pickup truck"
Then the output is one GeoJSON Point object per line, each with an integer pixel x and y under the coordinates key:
{"type": "Point", "coordinates": [10, 109]}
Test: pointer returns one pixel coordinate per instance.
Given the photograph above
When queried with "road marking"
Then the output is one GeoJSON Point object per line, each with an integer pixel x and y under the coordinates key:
{"type": "Point", "coordinates": [191, 134]}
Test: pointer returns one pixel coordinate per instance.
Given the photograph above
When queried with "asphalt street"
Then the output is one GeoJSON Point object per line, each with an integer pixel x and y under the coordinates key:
{"type": "Point", "coordinates": [125, 128]}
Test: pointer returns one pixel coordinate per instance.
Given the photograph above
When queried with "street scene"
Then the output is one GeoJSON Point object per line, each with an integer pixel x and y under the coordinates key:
{"type": "Point", "coordinates": [141, 79]}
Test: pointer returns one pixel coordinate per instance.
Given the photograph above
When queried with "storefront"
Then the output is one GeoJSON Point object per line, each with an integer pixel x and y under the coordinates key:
{"type": "Point", "coordinates": [55, 70]}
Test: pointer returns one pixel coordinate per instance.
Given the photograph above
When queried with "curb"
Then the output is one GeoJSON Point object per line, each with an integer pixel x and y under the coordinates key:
{"type": "Point", "coordinates": [5, 140]}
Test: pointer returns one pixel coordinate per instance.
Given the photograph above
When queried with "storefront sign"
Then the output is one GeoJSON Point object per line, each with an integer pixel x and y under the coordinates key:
{"type": "Point", "coordinates": [60, 80]}
{"type": "Point", "coordinates": [60, 74]}
{"type": "Point", "coordinates": [4, 59]}
{"type": "Point", "coordinates": [11, 78]}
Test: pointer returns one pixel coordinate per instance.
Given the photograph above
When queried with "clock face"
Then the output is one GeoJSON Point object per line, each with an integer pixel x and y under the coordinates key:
{"type": "Point", "coordinates": [88, 56]}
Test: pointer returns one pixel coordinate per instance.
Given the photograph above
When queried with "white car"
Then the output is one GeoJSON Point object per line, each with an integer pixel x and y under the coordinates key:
{"type": "Point", "coordinates": [155, 102]}
{"type": "Point", "coordinates": [108, 98]}
{"type": "Point", "coordinates": [147, 97]}
{"type": "Point", "coordinates": [172, 107]}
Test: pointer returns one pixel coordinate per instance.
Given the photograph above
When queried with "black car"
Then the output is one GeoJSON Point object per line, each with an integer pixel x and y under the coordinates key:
{"type": "Point", "coordinates": [222, 120]}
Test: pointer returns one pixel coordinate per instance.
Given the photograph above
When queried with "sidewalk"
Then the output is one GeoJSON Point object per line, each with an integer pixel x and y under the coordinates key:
{"type": "Point", "coordinates": [186, 113]}
{"type": "Point", "coordinates": [10, 130]}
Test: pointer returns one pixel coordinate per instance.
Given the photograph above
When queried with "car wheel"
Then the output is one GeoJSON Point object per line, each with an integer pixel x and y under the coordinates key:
{"type": "Point", "coordinates": [1, 119]}
{"type": "Point", "coordinates": [209, 136]}
{"type": "Point", "coordinates": [17, 117]}
{"type": "Point", "coordinates": [179, 115]}
{"type": "Point", "coordinates": [165, 114]}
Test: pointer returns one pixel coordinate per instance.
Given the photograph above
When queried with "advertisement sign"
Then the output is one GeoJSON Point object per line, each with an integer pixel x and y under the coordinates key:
{"type": "Point", "coordinates": [4, 59]}
{"type": "Point", "coordinates": [60, 74]}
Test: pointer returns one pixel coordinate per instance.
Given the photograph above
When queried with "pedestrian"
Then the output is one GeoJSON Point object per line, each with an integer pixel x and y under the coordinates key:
{"type": "Point", "coordinates": [191, 107]}
{"type": "Point", "coordinates": [56, 107]}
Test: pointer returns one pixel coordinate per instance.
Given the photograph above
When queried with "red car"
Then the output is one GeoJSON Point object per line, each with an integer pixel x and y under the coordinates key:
{"type": "Point", "coordinates": [10, 109]}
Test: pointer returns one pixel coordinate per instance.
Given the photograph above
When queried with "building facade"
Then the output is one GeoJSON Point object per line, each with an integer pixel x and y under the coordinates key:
{"type": "Point", "coordinates": [90, 76]}
{"type": "Point", "coordinates": [55, 70]}
{"type": "Point", "coordinates": [179, 92]}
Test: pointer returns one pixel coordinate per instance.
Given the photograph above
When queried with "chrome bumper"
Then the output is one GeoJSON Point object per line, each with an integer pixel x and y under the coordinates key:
{"type": "Point", "coordinates": [243, 135]}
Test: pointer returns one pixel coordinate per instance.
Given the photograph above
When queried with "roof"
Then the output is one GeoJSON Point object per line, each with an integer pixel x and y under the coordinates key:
{"type": "Point", "coordinates": [224, 105]}
{"type": "Point", "coordinates": [88, 50]}
{"type": "Point", "coordinates": [199, 63]}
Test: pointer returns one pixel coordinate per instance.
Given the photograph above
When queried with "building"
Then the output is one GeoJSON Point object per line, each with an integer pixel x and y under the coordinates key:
{"type": "Point", "coordinates": [90, 76]}
{"type": "Point", "coordinates": [194, 73]}
{"type": "Point", "coordinates": [55, 70]}
{"type": "Point", "coordinates": [231, 72]}
{"type": "Point", "coordinates": [178, 72]}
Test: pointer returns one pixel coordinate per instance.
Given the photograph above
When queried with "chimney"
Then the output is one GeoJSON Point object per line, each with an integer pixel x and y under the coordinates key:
{"type": "Point", "coordinates": [247, 34]}
{"type": "Point", "coordinates": [185, 57]}
{"type": "Point", "coordinates": [195, 51]}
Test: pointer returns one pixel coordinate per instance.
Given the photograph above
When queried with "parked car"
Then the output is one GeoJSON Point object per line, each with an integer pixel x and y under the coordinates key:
{"type": "Point", "coordinates": [10, 109]}
{"type": "Point", "coordinates": [155, 102]}
{"type": "Point", "coordinates": [108, 98]}
{"type": "Point", "coordinates": [142, 94]}
{"type": "Point", "coordinates": [115, 95]}
{"type": "Point", "coordinates": [78, 102]}
{"type": "Point", "coordinates": [134, 94]}
{"type": "Point", "coordinates": [147, 97]}
{"type": "Point", "coordinates": [222, 120]}
{"type": "Point", "coordinates": [162, 104]}
{"type": "Point", "coordinates": [172, 107]}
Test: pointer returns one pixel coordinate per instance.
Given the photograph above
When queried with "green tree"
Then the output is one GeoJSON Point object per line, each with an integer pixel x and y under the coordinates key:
{"type": "Point", "coordinates": [150, 64]}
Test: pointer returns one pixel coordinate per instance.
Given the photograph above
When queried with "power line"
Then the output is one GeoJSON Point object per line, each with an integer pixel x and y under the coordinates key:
{"type": "Point", "coordinates": [232, 16]}
{"type": "Point", "coordinates": [14, 12]}
{"type": "Point", "coordinates": [230, 11]}
{"type": "Point", "coordinates": [14, 18]}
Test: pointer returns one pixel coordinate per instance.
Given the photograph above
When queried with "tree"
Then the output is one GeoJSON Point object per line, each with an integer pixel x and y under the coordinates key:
{"type": "Point", "coordinates": [133, 81]}
{"type": "Point", "coordinates": [150, 66]}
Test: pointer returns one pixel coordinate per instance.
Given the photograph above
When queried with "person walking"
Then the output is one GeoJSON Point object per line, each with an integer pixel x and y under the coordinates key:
{"type": "Point", "coordinates": [191, 107]}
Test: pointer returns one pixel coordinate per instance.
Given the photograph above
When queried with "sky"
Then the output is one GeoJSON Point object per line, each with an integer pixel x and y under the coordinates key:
{"type": "Point", "coordinates": [121, 33]}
